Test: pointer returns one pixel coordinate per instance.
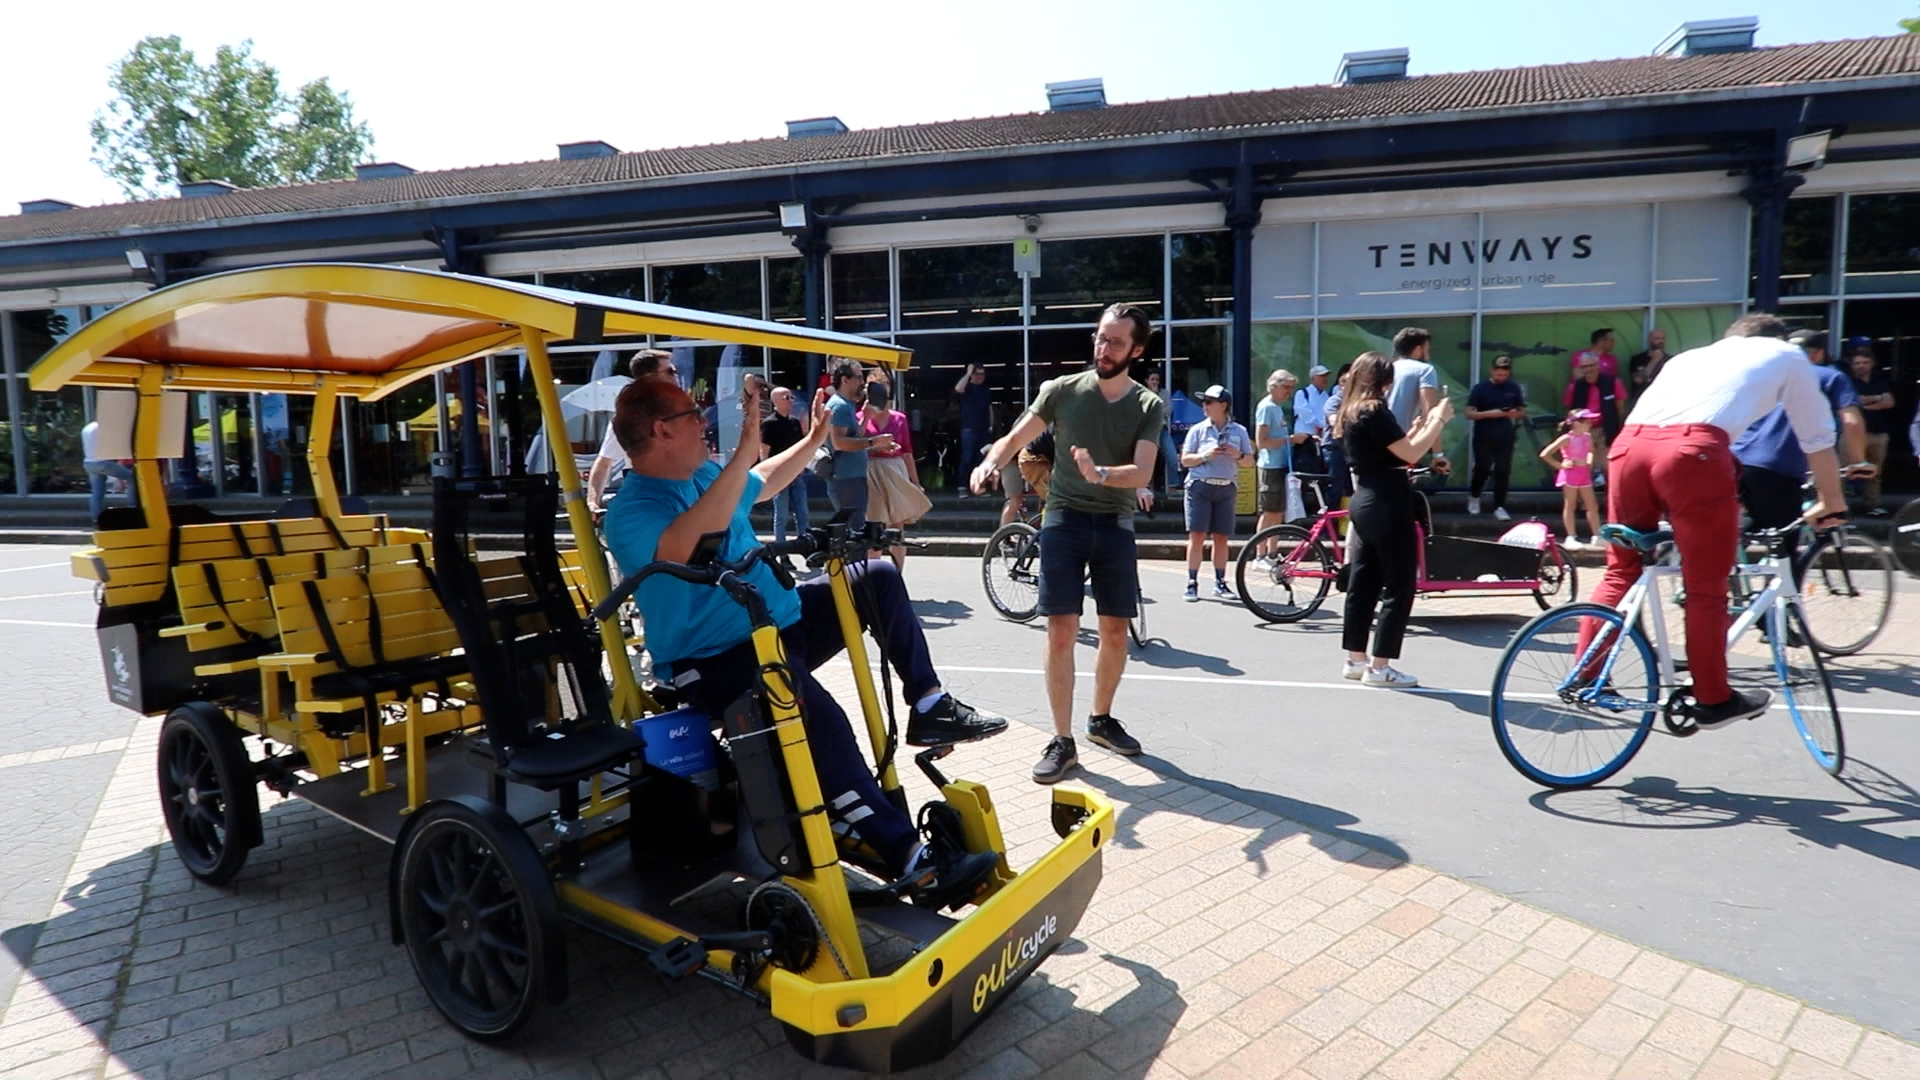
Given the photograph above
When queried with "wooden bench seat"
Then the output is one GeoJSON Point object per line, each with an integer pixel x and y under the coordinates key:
{"type": "Point", "coordinates": [363, 637]}
{"type": "Point", "coordinates": [134, 566]}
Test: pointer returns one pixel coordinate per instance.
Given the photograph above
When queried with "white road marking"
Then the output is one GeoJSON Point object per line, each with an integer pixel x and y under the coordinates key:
{"type": "Point", "coordinates": [1441, 691]}
{"type": "Point", "coordinates": [35, 566]}
{"type": "Point", "coordinates": [35, 622]}
{"type": "Point", "coordinates": [49, 595]}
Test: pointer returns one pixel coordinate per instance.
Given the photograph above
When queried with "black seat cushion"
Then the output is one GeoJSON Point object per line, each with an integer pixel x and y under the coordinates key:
{"type": "Point", "coordinates": [582, 752]}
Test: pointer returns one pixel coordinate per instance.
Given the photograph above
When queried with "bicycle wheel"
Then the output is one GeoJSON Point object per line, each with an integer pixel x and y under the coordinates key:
{"type": "Point", "coordinates": [1010, 569]}
{"type": "Point", "coordinates": [1568, 719]}
{"type": "Point", "coordinates": [1809, 693]}
{"type": "Point", "coordinates": [1847, 591]}
{"type": "Point", "coordinates": [1905, 539]}
{"type": "Point", "coordinates": [1559, 581]}
{"type": "Point", "coordinates": [1137, 626]}
{"type": "Point", "coordinates": [1288, 585]}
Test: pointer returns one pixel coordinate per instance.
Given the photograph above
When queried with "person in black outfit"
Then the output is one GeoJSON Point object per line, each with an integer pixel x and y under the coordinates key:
{"type": "Point", "coordinates": [1378, 450]}
{"type": "Point", "coordinates": [777, 432]}
{"type": "Point", "coordinates": [1493, 406]}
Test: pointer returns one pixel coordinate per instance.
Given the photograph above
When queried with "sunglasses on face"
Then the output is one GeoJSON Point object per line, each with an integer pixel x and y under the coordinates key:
{"type": "Point", "coordinates": [671, 417]}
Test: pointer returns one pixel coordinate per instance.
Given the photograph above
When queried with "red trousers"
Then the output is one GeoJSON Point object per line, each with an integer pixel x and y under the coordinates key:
{"type": "Point", "coordinates": [1685, 474]}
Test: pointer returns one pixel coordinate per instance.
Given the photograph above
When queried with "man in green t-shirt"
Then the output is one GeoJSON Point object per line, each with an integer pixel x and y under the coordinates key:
{"type": "Point", "coordinates": [1106, 431]}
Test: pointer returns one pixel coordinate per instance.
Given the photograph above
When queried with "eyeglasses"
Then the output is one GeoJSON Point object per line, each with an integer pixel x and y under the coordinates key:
{"type": "Point", "coordinates": [1104, 343]}
{"type": "Point", "coordinates": [695, 411]}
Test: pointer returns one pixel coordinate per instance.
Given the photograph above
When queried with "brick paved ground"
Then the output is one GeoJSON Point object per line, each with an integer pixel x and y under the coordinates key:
{"type": "Point", "coordinates": [1224, 942]}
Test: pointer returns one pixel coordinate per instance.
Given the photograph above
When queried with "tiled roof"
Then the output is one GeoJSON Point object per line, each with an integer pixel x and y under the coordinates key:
{"type": "Point", "coordinates": [1510, 88]}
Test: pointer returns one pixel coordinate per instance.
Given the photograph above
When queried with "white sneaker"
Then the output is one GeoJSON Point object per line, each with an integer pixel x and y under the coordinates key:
{"type": "Point", "coordinates": [1500, 514]}
{"type": "Point", "coordinates": [1473, 505]}
{"type": "Point", "coordinates": [1389, 678]}
{"type": "Point", "coordinates": [1571, 543]}
{"type": "Point", "coordinates": [1354, 669]}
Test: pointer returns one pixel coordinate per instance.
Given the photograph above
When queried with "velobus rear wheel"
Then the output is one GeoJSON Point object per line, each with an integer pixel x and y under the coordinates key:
{"type": "Point", "coordinates": [1568, 718]}
{"type": "Point", "coordinates": [1282, 575]}
{"type": "Point", "coordinates": [1559, 580]}
{"type": "Point", "coordinates": [1806, 687]}
{"type": "Point", "coordinates": [1010, 570]}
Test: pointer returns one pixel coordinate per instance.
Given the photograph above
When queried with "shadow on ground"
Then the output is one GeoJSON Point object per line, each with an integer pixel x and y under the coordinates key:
{"type": "Point", "coordinates": [289, 971]}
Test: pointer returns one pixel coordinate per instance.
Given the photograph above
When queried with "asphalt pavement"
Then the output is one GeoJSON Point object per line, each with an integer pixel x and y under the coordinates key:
{"type": "Point", "coordinates": [1730, 849]}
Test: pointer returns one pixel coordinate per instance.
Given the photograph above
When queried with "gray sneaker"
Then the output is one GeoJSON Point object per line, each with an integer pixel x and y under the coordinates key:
{"type": "Point", "coordinates": [1058, 758]}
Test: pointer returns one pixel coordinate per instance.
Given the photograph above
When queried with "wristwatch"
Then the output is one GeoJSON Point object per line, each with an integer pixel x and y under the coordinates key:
{"type": "Point", "coordinates": [1101, 471]}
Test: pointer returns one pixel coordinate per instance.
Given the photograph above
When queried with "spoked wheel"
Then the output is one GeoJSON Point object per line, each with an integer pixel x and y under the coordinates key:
{"type": "Point", "coordinates": [474, 903]}
{"type": "Point", "coordinates": [1559, 580]}
{"type": "Point", "coordinates": [1808, 690]}
{"type": "Point", "coordinates": [1137, 626]}
{"type": "Point", "coordinates": [1010, 569]}
{"type": "Point", "coordinates": [1848, 591]}
{"type": "Point", "coordinates": [208, 792]}
{"type": "Point", "coordinates": [1567, 717]}
{"type": "Point", "coordinates": [1905, 539]}
{"type": "Point", "coordinates": [1288, 582]}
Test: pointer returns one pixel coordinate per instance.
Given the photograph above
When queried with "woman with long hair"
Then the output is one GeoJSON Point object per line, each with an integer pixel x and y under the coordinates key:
{"type": "Point", "coordinates": [893, 478]}
{"type": "Point", "coordinates": [1386, 561]}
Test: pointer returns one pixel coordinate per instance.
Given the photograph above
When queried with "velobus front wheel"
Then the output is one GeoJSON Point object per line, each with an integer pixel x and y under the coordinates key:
{"type": "Point", "coordinates": [1567, 716]}
{"type": "Point", "coordinates": [1807, 689]}
{"type": "Point", "coordinates": [1283, 575]}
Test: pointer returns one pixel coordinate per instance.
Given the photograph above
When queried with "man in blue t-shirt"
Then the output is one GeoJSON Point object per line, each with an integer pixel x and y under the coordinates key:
{"type": "Point", "coordinates": [700, 639]}
{"type": "Point", "coordinates": [848, 488]}
{"type": "Point", "coordinates": [1773, 468]}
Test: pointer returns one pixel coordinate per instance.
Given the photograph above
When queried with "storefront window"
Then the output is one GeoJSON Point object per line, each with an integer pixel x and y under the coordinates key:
{"type": "Point", "coordinates": [1198, 356]}
{"type": "Point", "coordinates": [1806, 251]}
{"type": "Point", "coordinates": [724, 288]}
{"type": "Point", "coordinates": [1202, 275]}
{"type": "Point", "coordinates": [1692, 327]}
{"type": "Point", "coordinates": [1281, 345]}
{"type": "Point", "coordinates": [1698, 256]}
{"type": "Point", "coordinates": [1542, 347]}
{"type": "Point", "coordinates": [860, 293]}
{"type": "Point", "coordinates": [958, 286]}
{"type": "Point", "coordinates": [393, 437]}
{"type": "Point", "coordinates": [786, 290]}
{"type": "Point", "coordinates": [53, 421]}
{"type": "Point", "coordinates": [627, 283]}
{"type": "Point", "coordinates": [1080, 278]}
{"type": "Point", "coordinates": [1883, 243]}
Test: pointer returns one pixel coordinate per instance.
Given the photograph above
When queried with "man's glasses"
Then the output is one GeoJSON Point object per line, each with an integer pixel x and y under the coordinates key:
{"type": "Point", "coordinates": [695, 411]}
{"type": "Point", "coordinates": [1104, 343]}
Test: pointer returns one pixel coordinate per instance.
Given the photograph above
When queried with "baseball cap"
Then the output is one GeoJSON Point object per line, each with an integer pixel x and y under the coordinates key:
{"type": "Point", "coordinates": [1583, 414]}
{"type": "Point", "coordinates": [1216, 392]}
{"type": "Point", "coordinates": [1317, 369]}
{"type": "Point", "coordinates": [1502, 362]}
{"type": "Point", "coordinates": [1858, 343]}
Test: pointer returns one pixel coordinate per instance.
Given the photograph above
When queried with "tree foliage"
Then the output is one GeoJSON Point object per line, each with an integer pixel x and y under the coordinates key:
{"type": "Point", "coordinates": [174, 120]}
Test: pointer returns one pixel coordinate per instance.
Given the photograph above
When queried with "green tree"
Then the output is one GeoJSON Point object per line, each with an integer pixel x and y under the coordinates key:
{"type": "Point", "coordinates": [173, 121]}
{"type": "Point", "coordinates": [1911, 26]}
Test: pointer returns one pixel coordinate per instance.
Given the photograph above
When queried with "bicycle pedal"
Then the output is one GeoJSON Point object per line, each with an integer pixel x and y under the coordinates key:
{"type": "Point", "coordinates": [678, 958]}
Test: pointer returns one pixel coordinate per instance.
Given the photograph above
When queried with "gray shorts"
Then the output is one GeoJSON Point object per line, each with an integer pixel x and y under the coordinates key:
{"type": "Point", "coordinates": [1210, 507]}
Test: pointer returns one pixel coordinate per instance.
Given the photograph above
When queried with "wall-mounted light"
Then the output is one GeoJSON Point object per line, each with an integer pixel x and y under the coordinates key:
{"type": "Point", "coordinates": [1806, 153]}
{"type": "Point", "coordinates": [136, 259]}
{"type": "Point", "coordinates": [793, 217]}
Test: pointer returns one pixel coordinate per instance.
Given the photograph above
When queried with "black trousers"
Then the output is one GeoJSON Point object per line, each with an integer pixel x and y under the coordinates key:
{"type": "Point", "coordinates": [1772, 499]}
{"type": "Point", "coordinates": [1492, 455]}
{"type": "Point", "coordinates": [1384, 567]}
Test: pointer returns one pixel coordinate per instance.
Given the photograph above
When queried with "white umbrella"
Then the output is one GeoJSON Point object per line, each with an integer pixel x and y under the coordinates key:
{"type": "Point", "coordinates": [598, 395]}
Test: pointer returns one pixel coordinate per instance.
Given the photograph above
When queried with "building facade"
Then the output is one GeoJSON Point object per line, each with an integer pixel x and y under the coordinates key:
{"type": "Point", "coordinates": [1510, 212]}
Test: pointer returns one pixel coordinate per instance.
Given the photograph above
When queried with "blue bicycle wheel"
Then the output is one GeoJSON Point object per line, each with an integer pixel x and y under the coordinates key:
{"type": "Point", "coordinates": [1568, 718]}
{"type": "Point", "coordinates": [1806, 687]}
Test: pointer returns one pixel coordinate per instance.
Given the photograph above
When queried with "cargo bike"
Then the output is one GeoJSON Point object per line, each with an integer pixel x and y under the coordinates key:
{"type": "Point", "coordinates": [481, 710]}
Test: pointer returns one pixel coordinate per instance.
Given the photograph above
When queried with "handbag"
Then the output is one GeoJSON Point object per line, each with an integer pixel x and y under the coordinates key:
{"type": "Point", "coordinates": [1296, 506]}
{"type": "Point", "coordinates": [824, 461]}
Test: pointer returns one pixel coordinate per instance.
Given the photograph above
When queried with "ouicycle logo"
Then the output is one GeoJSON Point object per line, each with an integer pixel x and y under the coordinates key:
{"type": "Point", "coordinates": [1490, 250]}
{"type": "Point", "coordinates": [1015, 954]}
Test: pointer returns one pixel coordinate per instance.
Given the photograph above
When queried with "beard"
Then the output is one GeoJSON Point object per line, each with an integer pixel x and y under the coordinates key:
{"type": "Point", "coordinates": [1113, 369]}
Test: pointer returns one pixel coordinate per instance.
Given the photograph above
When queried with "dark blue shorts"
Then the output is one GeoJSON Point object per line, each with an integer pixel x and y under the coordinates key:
{"type": "Point", "coordinates": [1082, 548]}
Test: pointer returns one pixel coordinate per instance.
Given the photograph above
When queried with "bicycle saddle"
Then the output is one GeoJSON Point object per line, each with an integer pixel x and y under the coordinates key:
{"type": "Point", "coordinates": [1635, 538]}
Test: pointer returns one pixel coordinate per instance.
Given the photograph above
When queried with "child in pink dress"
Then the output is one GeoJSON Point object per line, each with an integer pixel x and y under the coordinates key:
{"type": "Point", "coordinates": [1572, 454]}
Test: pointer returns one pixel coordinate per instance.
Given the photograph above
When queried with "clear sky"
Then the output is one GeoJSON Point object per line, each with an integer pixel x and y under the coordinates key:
{"type": "Point", "coordinates": [446, 85]}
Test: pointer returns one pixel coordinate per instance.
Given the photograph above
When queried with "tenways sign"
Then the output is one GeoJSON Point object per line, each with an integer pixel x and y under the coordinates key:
{"type": "Point", "coordinates": [1561, 258]}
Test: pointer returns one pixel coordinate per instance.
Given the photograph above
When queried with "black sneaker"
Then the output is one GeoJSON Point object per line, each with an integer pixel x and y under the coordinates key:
{"type": "Point", "coordinates": [950, 874]}
{"type": "Point", "coordinates": [1743, 705]}
{"type": "Point", "coordinates": [1059, 757]}
{"type": "Point", "coordinates": [1106, 731]}
{"type": "Point", "coordinates": [951, 721]}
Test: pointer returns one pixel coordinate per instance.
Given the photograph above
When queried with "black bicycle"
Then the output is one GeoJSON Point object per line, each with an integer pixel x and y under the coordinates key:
{"type": "Point", "coordinates": [1010, 570]}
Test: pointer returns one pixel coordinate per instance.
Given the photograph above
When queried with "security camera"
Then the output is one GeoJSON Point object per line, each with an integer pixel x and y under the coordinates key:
{"type": "Point", "coordinates": [1031, 221]}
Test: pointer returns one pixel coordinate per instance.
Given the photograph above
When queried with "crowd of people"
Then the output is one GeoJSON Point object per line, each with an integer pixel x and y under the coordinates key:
{"type": "Point", "coordinates": [1094, 444]}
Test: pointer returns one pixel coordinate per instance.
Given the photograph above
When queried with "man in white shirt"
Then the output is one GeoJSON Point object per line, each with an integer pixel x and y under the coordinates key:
{"type": "Point", "coordinates": [1674, 461]}
{"type": "Point", "coordinates": [612, 461]}
{"type": "Point", "coordinates": [1416, 384]}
